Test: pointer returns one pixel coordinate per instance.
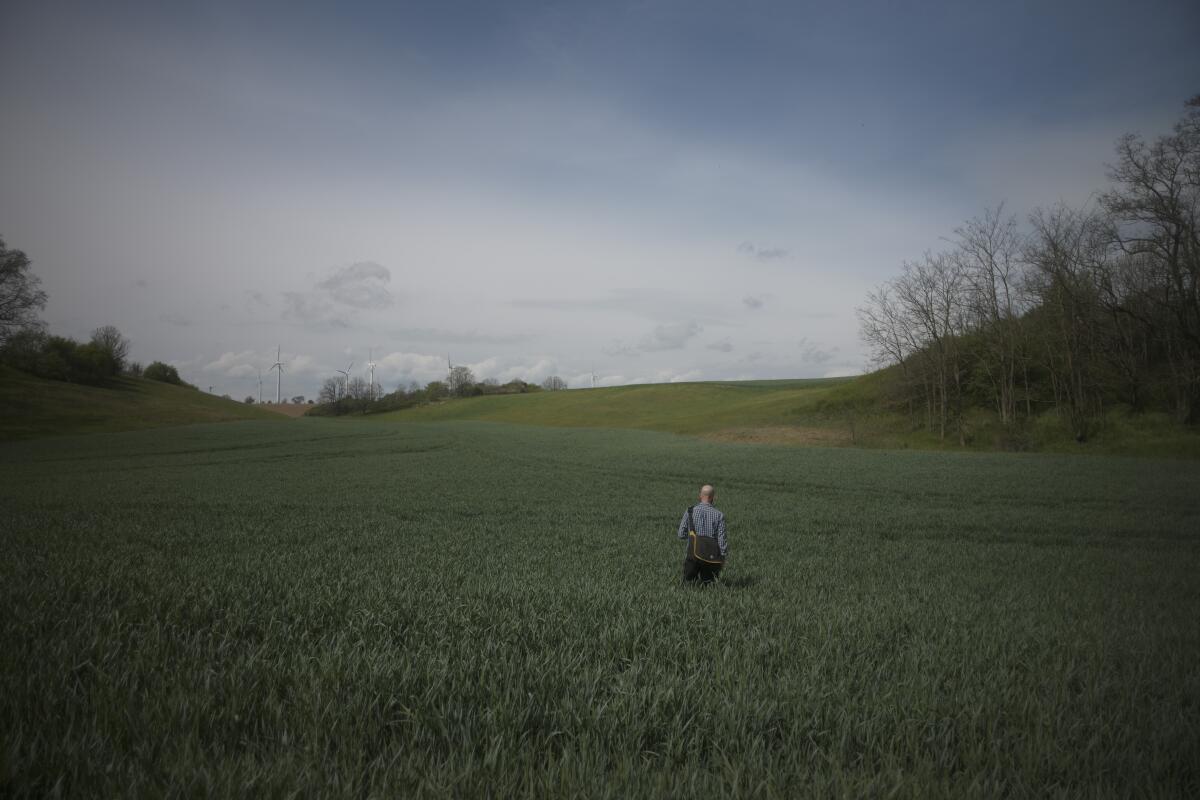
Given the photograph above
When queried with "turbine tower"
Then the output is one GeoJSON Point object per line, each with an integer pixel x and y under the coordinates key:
{"type": "Point", "coordinates": [260, 386]}
{"type": "Point", "coordinates": [371, 365]}
{"type": "Point", "coordinates": [278, 367]}
{"type": "Point", "coordinates": [346, 372]}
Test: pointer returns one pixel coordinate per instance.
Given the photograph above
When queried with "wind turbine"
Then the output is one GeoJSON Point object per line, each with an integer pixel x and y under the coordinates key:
{"type": "Point", "coordinates": [346, 372]}
{"type": "Point", "coordinates": [278, 366]}
{"type": "Point", "coordinates": [260, 386]}
{"type": "Point", "coordinates": [371, 365]}
{"type": "Point", "coordinates": [593, 380]}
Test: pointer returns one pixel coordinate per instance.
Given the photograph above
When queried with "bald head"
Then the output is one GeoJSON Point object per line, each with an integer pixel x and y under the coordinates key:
{"type": "Point", "coordinates": [707, 494]}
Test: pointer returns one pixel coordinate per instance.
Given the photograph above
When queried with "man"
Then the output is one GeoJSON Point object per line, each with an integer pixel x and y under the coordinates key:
{"type": "Point", "coordinates": [709, 522]}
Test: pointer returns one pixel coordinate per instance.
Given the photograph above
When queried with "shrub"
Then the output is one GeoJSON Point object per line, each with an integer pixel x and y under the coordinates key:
{"type": "Point", "coordinates": [58, 358]}
{"type": "Point", "coordinates": [158, 371]}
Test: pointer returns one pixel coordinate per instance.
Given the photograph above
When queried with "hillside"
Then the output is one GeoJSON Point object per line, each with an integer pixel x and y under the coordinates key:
{"type": "Point", "coordinates": [31, 407]}
{"type": "Point", "coordinates": [735, 410]}
{"type": "Point", "coordinates": [827, 412]}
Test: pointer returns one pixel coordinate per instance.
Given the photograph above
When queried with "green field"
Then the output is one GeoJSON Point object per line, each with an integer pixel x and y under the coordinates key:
{"type": "Point", "coordinates": [693, 408]}
{"type": "Point", "coordinates": [32, 407]}
{"type": "Point", "coordinates": [834, 412]}
{"type": "Point", "coordinates": [472, 609]}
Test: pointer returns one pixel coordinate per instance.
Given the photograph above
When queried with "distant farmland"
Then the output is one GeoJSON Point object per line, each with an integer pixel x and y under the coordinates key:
{"type": "Point", "coordinates": [473, 609]}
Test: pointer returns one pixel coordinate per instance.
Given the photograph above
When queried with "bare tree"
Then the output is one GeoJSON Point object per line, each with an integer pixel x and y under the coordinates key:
{"type": "Point", "coordinates": [1069, 258]}
{"type": "Point", "coordinates": [931, 298]}
{"type": "Point", "coordinates": [109, 341]}
{"type": "Point", "coordinates": [358, 389]}
{"type": "Point", "coordinates": [988, 254]}
{"type": "Point", "coordinates": [1155, 207]}
{"type": "Point", "coordinates": [331, 391]}
{"type": "Point", "coordinates": [554, 384]}
{"type": "Point", "coordinates": [461, 381]}
{"type": "Point", "coordinates": [20, 295]}
{"type": "Point", "coordinates": [892, 338]}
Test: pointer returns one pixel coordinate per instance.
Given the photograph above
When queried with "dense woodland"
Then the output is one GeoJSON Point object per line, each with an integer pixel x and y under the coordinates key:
{"type": "Point", "coordinates": [1077, 312]}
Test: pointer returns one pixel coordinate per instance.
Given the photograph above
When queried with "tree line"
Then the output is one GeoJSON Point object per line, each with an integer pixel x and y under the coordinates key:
{"type": "Point", "coordinates": [1074, 312]}
{"type": "Point", "coordinates": [339, 396]}
{"type": "Point", "coordinates": [27, 346]}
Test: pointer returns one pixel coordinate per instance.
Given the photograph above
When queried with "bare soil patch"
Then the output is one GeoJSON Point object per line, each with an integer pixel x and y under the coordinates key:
{"type": "Point", "coordinates": [288, 409]}
{"type": "Point", "coordinates": [783, 434]}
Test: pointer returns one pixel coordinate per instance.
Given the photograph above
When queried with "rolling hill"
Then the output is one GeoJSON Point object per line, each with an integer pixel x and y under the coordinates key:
{"type": "Point", "coordinates": [32, 407]}
{"type": "Point", "coordinates": [825, 412]}
{"type": "Point", "coordinates": [816, 410]}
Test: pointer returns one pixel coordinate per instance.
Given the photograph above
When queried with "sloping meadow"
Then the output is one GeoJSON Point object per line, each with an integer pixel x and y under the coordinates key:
{"type": "Point", "coordinates": [477, 609]}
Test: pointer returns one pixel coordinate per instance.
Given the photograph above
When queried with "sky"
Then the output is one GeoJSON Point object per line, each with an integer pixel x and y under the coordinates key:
{"type": "Point", "coordinates": [639, 191]}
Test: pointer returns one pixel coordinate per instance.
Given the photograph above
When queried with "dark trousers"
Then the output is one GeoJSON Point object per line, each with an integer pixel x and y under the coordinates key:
{"type": "Point", "coordinates": [699, 571]}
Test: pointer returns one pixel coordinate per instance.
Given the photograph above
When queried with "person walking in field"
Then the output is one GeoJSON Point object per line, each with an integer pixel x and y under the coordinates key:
{"type": "Point", "coordinates": [703, 527]}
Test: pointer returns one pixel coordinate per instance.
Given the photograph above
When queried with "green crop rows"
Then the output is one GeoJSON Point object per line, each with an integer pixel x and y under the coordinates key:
{"type": "Point", "coordinates": [471, 609]}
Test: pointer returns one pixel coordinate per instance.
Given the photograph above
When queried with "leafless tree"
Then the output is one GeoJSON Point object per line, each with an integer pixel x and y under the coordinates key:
{"type": "Point", "coordinates": [1155, 208]}
{"type": "Point", "coordinates": [113, 344]}
{"type": "Point", "coordinates": [1069, 257]}
{"type": "Point", "coordinates": [331, 391]}
{"type": "Point", "coordinates": [988, 254]}
{"type": "Point", "coordinates": [461, 381]}
{"type": "Point", "coordinates": [20, 295]}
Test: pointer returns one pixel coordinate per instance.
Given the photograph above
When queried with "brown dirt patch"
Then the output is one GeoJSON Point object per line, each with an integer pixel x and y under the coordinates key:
{"type": "Point", "coordinates": [813, 437]}
{"type": "Point", "coordinates": [288, 409]}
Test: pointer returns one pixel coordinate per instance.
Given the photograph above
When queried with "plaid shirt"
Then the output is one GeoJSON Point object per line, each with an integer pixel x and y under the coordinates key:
{"type": "Point", "coordinates": [709, 522]}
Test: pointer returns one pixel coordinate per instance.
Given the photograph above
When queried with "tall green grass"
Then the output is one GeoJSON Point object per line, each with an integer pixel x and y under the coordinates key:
{"type": "Point", "coordinates": [32, 407]}
{"type": "Point", "coordinates": [468, 609]}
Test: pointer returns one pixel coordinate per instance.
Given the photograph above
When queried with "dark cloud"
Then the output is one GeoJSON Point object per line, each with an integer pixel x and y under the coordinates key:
{"type": "Point", "coordinates": [722, 346]}
{"type": "Point", "coordinates": [621, 349]}
{"type": "Point", "coordinates": [362, 285]}
{"type": "Point", "coordinates": [669, 337]}
{"type": "Point", "coordinates": [761, 253]}
{"type": "Point", "coordinates": [307, 308]}
{"type": "Point", "coordinates": [814, 353]}
{"type": "Point", "coordinates": [457, 337]}
{"type": "Point", "coordinates": [334, 300]}
{"type": "Point", "coordinates": [751, 302]}
{"type": "Point", "coordinates": [652, 303]}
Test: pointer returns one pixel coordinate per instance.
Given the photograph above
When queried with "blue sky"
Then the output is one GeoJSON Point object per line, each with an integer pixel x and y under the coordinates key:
{"type": "Point", "coordinates": [651, 191]}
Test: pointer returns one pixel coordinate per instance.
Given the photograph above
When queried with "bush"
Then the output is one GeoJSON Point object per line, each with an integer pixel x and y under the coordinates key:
{"type": "Point", "coordinates": [23, 350]}
{"type": "Point", "coordinates": [59, 358]}
{"type": "Point", "coordinates": [158, 371]}
{"type": "Point", "coordinates": [115, 347]}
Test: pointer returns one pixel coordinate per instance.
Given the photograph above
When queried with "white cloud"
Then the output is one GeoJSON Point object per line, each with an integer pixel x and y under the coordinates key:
{"type": "Point", "coordinates": [234, 365]}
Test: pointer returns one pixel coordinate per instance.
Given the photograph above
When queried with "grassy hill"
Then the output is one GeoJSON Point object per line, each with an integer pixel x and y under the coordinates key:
{"type": "Point", "coordinates": [828, 412]}
{"type": "Point", "coordinates": [742, 409]}
{"type": "Point", "coordinates": [31, 406]}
